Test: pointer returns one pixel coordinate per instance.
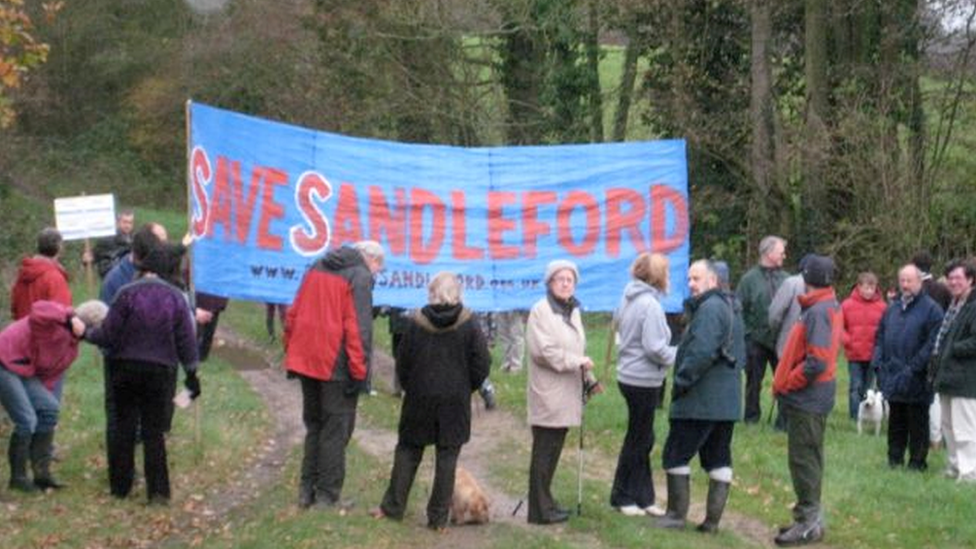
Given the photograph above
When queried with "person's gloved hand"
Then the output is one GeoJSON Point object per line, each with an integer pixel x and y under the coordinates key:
{"type": "Point", "coordinates": [354, 387]}
{"type": "Point", "coordinates": [678, 391]}
{"type": "Point", "coordinates": [192, 384]}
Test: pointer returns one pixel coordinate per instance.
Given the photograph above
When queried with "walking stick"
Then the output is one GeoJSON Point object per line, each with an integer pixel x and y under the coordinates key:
{"type": "Point", "coordinates": [579, 470]}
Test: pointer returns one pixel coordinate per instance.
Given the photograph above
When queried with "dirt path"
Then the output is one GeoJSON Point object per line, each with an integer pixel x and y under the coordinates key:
{"type": "Point", "coordinates": [492, 433]}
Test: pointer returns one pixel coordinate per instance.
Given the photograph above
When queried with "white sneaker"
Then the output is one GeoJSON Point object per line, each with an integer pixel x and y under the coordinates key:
{"type": "Point", "coordinates": [631, 510]}
{"type": "Point", "coordinates": [655, 511]}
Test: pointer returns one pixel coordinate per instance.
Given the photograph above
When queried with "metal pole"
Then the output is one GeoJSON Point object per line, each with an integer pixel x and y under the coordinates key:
{"type": "Point", "coordinates": [579, 470]}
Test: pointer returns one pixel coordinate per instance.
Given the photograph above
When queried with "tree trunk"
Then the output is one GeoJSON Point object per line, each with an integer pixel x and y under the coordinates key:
{"type": "Point", "coordinates": [627, 77]}
{"type": "Point", "coordinates": [816, 148]}
{"type": "Point", "coordinates": [595, 99]}
{"type": "Point", "coordinates": [762, 115]}
{"type": "Point", "coordinates": [522, 56]}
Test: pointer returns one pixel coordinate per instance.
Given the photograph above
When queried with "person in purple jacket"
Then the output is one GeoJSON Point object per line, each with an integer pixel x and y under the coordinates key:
{"type": "Point", "coordinates": [149, 330]}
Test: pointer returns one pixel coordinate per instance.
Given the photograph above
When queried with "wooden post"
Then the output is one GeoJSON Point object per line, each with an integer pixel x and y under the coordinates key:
{"type": "Point", "coordinates": [89, 275]}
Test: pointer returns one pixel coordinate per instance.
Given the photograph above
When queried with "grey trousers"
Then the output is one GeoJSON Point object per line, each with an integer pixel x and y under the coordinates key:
{"type": "Point", "coordinates": [330, 418]}
{"type": "Point", "coordinates": [805, 448]}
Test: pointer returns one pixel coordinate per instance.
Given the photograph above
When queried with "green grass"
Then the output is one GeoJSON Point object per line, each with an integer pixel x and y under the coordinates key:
{"type": "Point", "coordinates": [233, 423]}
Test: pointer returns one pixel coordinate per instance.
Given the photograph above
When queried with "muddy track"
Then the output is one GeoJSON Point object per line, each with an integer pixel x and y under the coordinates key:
{"type": "Point", "coordinates": [492, 433]}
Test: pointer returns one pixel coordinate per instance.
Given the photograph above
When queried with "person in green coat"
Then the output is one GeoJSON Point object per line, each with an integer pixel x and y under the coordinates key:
{"type": "Point", "coordinates": [706, 398]}
{"type": "Point", "coordinates": [755, 292]}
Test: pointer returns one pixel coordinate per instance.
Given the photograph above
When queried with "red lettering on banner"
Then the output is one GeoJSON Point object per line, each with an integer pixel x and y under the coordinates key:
{"type": "Point", "coordinates": [244, 208]}
{"type": "Point", "coordinates": [311, 187]}
{"type": "Point", "coordinates": [564, 227]}
{"type": "Point", "coordinates": [661, 196]}
{"type": "Point", "coordinates": [270, 210]}
{"type": "Point", "coordinates": [383, 221]}
{"type": "Point", "coordinates": [200, 177]}
{"type": "Point", "coordinates": [221, 201]}
{"type": "Point", "coordinates": [459, 234]}
{"type": "Point", "coordinates": [420, 200]}
{"type": "Point", "coordinates": [532, 228]}
{"type": "Point", "coordinates": [348, 226]}
{"type": "Point", "coordinates": [498, 225]}
{"type": "Point", "coordinates": [619, 221]}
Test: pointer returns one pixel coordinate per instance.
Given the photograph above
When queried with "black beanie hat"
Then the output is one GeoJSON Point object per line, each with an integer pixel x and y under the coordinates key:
{"type": "Point", "coordinates": [818, 270]}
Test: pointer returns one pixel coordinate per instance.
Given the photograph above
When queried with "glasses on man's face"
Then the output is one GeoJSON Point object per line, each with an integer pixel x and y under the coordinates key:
{"type": "Point", "coordinates": [564, 280]}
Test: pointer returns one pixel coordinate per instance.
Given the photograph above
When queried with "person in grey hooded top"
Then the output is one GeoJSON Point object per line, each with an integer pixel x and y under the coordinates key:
{"type": "Point", "coordinates": [643, 356]}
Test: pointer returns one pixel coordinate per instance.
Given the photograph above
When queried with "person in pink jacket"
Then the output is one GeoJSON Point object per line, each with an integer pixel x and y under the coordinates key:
{"type": "Point", "coordinates": [35, 351]}
{"type": "Point", "coordinates": [862, 315]}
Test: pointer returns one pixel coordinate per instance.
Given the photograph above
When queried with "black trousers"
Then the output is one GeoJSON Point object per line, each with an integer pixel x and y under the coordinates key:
{"type": "Point", "coordinates": [205, 336]}
{"type": "Point", "coordinates": [330, 418]}
{"type": "Point", "coordinates": [140, 392]}
{"type": "Point", "coordinates": [711, 440]}
{"type": "Point", "coordinates": [547, 445]}
{"type": "Point", "coordinates": [406, 459]}
{"type": "Point", "coordinates": [757, 356]}
{"type": "Point", "coordinates": [111, 413]}
{"type": "Point", "coordinates": [908, 426]}
{"type": "Point", "coordinates": [632, 483]}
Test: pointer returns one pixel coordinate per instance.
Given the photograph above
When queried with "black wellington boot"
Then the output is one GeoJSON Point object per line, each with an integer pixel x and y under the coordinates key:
{"type": "Point", "coordinates": [718, 495]}
{"type": "Point", "coordinates": [41, 452]}
{"type": "Point", "coordinates": [18, 452]}
{"type": "Point", "coordinates": [679, 498]}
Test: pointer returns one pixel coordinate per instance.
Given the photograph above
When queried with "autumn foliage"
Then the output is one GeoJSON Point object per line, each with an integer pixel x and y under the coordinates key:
{"type": "Point", "coordinates": [19, 50]}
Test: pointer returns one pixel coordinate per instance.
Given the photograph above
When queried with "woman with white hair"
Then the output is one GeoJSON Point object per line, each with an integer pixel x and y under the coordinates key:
{"type": "Point", "coordinates": [35, 351]}
{"type": "Point", "coordinates": [442, 358]}
{"type": "Point", "coordinates": [558, 364]}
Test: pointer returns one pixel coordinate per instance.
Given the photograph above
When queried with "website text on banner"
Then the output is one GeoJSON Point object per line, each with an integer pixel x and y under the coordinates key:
{"type": "Point", "coordinates": [267, 199]}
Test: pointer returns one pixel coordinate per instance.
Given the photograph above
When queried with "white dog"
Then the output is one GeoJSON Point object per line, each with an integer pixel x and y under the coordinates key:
{"type": "Point", "coordinates": [874, 408]}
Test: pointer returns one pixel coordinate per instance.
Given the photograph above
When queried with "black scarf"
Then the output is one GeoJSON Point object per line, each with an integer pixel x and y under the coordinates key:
{"type": "Point", "coordinates": [563, 308]}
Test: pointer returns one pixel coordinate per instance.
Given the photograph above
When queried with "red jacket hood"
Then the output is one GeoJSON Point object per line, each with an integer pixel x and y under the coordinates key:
{"type": "Point", "coordinates": [32, 268]}
{"type": "Point", "coordinates": [856, 296]}
{"type": "Point", "coordinates": [815, 296]}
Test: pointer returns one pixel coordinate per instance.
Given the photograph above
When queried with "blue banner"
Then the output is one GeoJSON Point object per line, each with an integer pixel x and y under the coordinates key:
{"type": "Point", "coordinates": [267, 199]}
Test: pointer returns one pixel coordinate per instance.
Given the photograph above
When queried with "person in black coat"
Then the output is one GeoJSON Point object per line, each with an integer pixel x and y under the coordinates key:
{"type": "Point", "coordinates": [902, 349]}
{"type": "Point", "coordinates": [442, 358]}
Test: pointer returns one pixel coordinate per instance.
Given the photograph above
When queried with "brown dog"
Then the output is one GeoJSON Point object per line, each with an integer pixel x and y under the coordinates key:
{"type": "Point", "coordinates": [470, 504]}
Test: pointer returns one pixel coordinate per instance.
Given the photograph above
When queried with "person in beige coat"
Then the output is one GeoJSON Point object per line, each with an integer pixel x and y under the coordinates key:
{"type": "Point", "coordinates": [557, 363]}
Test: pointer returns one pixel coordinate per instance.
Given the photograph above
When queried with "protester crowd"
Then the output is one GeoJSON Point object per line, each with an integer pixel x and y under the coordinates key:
{"type": "Point", "coordinates": [915, 343]}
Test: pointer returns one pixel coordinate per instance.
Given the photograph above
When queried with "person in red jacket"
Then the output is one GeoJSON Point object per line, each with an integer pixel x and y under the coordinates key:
{"type": "Point", "coordinates": [41, 276]}
{"type": "Point", "coordinates": [35, 351]}
{"type": "Point", "coordinates": [805, 383]}
{"type": "Point", "coordinates": [862, 314]}
{"type": "Point", "coordinates": [328, 342]}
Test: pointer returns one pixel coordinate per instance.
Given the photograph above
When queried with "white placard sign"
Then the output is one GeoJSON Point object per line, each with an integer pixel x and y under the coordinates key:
{"type": "Point", "coordinates": [80, 217]}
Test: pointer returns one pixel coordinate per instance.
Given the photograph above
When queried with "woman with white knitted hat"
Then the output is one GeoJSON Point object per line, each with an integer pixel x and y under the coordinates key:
{"type": "Point", "coordinates": [556, 346]}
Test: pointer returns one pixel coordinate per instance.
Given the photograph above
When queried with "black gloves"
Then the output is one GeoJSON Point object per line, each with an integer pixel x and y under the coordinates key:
{"type": "Point", "coordinates": [192, 384]}
{"type": "Point", "coordinates": [678, 391]}
{"type": "Point", "coordinates": [354, 387]}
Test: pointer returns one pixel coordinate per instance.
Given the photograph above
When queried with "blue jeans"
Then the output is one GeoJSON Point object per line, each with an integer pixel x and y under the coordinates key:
{"type": "Point", "coordinates": [31, 407]}
{"type": "Point", "coordinates": [862, 376]}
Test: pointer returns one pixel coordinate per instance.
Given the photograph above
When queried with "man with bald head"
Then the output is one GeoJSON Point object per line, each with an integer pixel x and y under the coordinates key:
{"type": "Point", "coordinates": [706, 399]}
{"type": "Point", "coordinates": [905, 339]}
